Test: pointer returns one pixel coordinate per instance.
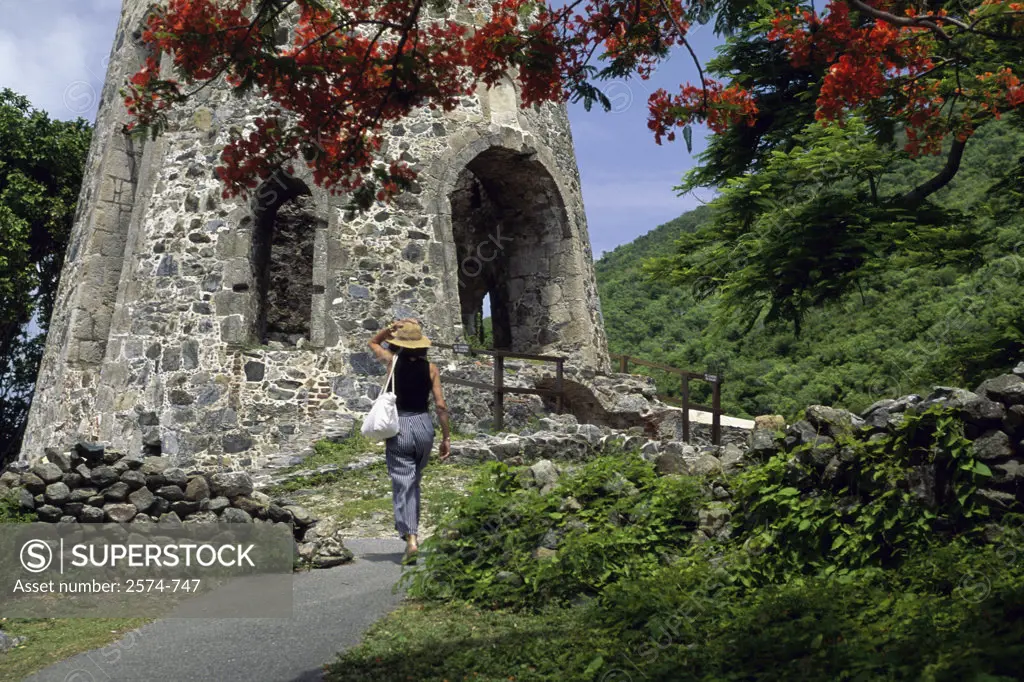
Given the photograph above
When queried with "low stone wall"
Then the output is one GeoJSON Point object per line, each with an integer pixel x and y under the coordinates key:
{"type": "Point", "coordinates": [93, 485]}
{"type": "Point", "coordinates": [561, 438]}
{"type": "Point", "coordinates": [993, 417]}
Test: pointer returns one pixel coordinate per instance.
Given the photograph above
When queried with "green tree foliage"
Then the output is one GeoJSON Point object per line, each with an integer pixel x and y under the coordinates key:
{"type": "Point", "coordinates": [808, 212]}
{"type": "Point", "coordinates": [886, 307]}
{"type": "Point", "coordinates": [41, 164]}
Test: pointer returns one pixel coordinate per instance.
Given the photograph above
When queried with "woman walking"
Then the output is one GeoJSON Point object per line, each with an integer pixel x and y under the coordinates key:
{"type": "Point", "coordinates": [407, 453]}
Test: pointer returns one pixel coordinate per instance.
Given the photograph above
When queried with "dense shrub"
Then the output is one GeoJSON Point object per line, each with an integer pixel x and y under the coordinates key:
{"type": "Point", "coordinates": [851, 577]}
{"type": "Point", "coordinates": [611, 519]}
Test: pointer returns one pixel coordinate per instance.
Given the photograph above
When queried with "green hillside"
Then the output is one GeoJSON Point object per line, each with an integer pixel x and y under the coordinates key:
{"type": "Point", "coordinates": [914, 326]}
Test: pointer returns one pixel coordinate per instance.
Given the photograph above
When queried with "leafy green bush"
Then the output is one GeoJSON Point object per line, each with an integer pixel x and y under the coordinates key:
{"type": "Point", "coordinates": [611, 519]}
{"type": "Point", "coordinates": [867, 512]}
{"type": "Point", "coordinates": [11, 511]}
{"type": "Point", "coordinates": [953, 612]}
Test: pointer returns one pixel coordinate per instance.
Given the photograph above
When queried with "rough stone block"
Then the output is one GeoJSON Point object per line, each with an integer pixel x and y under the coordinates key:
{"type": "Point", "coordinates": [61, 459]}
{"type": "Point", "coordinates": [142, 499]}
{"type": "Point", "coordinates": [171, 493]}
{"type": "Point", "coordinates": [117, 492]}
{"type": "Point", "coordinates": [300, 515]}
{"type": "Point", "coordinates": [254, 371]}
{"type": "Point", "coordinates": [234, 330]}
{"type": "Point", "coordinates": [83, 494]}
{"type": "Point", "coordinates": [57, 493]}
{"type": "Point", "coordinates": [119, 513]}
{"type": "Point", "coordinates": [184, 508]}
{"type": "Point", "coordinates": [991, 445]}
{"type": "Point", "coordinates": [671, 463]}
{"type": "Point", "coordinates": [235, 515]}
{"type": "Point", "coordinates": [92, 515]}
{"type": "Point", "coordinates": [176, 477]}
{"type": "Point", "coordinates": [133, 479]}
{"type": "Point", "coordinates": [47, 472]}
{"type": "Point", "coordinates": [231, 485]}
{"type": "Point", "coordinates": [215, 504]}
{"type": "Point", "coordinates": [154, 465]}
{"type": "Point", "coordinates": [102, 476]}
{"type": "Point", "coordinates": [197, 489]}
{"type": "Point", "coordinates": [236, 442]}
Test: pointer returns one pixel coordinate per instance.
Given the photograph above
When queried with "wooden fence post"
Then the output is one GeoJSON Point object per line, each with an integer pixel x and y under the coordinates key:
{"type": "Point", "coordinates": [686, 408]}
{"type": "Point", "coordinates": [559, 385]}
{"type": "Point", "coordinates": [716, 411]}
{"type": "Point", "coordinates": [623, 359]}
{"type": "Point", "coordinates": [499, 394]}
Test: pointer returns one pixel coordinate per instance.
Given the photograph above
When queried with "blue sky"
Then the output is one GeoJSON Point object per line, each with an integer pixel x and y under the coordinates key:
{"type": "Point", "coordinates": [55, 53]}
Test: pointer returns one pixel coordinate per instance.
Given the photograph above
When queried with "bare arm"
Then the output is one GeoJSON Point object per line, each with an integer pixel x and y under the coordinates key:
{"type": "Point", "coordinates": [382, 353]}
{"type": "Point", "coordinates": [442, 411]}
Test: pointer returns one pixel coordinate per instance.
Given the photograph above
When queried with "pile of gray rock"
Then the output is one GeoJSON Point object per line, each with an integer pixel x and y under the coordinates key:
{"type": "Point", "coordinates": [91, 484]}
{"type": "Point", "coordinates": [817, 446]}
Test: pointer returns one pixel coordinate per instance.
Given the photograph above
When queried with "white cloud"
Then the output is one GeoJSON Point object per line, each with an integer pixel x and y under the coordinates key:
{"type": "Point", "coordinates": [55, 53]}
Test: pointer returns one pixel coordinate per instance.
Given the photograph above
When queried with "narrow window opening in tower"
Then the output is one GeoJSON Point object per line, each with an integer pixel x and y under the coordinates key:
{"type": "Point", "coordinates": [485, 335]}
{"type": "Point", "coordinates": [514, 253]}
{"type": "Point", "coordinates": [282, 259]}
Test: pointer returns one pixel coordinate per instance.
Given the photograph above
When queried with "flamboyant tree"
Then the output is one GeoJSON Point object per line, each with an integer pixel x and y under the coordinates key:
{"type": "Point", "coordinates": [934, 70]}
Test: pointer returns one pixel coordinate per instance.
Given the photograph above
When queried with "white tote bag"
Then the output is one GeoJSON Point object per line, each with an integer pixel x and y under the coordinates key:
{"type": "Point", "coordinates": [382, 421]}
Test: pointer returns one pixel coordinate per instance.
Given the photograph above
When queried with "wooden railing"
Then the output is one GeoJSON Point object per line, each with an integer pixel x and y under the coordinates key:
{"type": "Point", "coordinates": [685, 375]}
{"type": "Point", "coordinates": [499, 388]}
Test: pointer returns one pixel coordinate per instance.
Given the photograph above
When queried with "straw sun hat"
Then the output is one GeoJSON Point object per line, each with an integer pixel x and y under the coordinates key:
{"type": "Point", "coordinates": [409, 335]}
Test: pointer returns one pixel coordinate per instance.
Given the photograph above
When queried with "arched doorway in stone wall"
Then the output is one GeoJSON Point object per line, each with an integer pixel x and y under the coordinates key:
{"type": "Point", "coordinates": [513, 246]}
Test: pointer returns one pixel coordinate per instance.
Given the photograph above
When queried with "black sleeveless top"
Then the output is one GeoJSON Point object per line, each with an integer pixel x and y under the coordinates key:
{"type": "Point", "coordinates": [412, 384]}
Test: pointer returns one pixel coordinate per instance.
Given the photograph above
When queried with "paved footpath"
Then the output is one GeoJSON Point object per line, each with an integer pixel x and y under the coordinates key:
{"type": "Point", "coordinates": [333, 608]}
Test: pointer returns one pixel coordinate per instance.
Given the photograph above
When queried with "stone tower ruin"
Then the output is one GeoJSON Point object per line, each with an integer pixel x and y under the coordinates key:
{"type": "Point", "coordinates": [219, 331]}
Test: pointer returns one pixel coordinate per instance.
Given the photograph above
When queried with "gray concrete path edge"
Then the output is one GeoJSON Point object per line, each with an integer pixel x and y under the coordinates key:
{"type": "Point", "coordinates": [333, 609]}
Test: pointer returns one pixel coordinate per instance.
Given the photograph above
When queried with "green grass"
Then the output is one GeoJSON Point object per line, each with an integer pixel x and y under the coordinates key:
{"type": "Point", "coordinates": [352, 497]}
{"type": "Point", "coordinates": [443, 488]}
{"type": "Point", "coordinates": [456, 435]}
{"type": "Point", "coordinates": [325, 452]}
{"type": "Point", "coordinates": [50, 640]}
{"type": "Point", "coordinates": [448, 642]}
{"type": "Point", "coordinates": [627, 595]}
{"type": "Point", "coordinates": [911, 625]}
{"type": "Point", "coordinates": [347, 451]}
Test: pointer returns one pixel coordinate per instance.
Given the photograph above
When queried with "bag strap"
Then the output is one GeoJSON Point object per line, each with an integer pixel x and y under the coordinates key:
{"type": "Point", "coordinates": [391, 376]}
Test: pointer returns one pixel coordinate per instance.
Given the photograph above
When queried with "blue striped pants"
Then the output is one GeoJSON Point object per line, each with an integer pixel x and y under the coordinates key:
{"type": "Point", "coordinates": [407, 454]}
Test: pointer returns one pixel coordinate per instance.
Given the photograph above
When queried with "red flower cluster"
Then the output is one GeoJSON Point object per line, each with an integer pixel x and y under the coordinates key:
{"type": "Point", "coordinates": [720, 106]}
{"type": "Point", "coordinates": [348, 73]}
{"type": "Point", "coordinates": [351, 72]}
{"type": "Point", "coordinates": [882, 59]}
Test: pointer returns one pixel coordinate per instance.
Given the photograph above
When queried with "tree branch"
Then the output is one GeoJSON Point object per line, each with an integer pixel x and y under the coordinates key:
{"type": "Point", "coordinates": [693, 55]}
{"type": "Point", "coordinates": [916, 196]}
{"type": "Point", "coordinates": [925, 21]}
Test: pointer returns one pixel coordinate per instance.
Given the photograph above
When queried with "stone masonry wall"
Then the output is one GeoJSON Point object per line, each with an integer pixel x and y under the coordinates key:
{"type": "Point", "coordinates": [182, 369]}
